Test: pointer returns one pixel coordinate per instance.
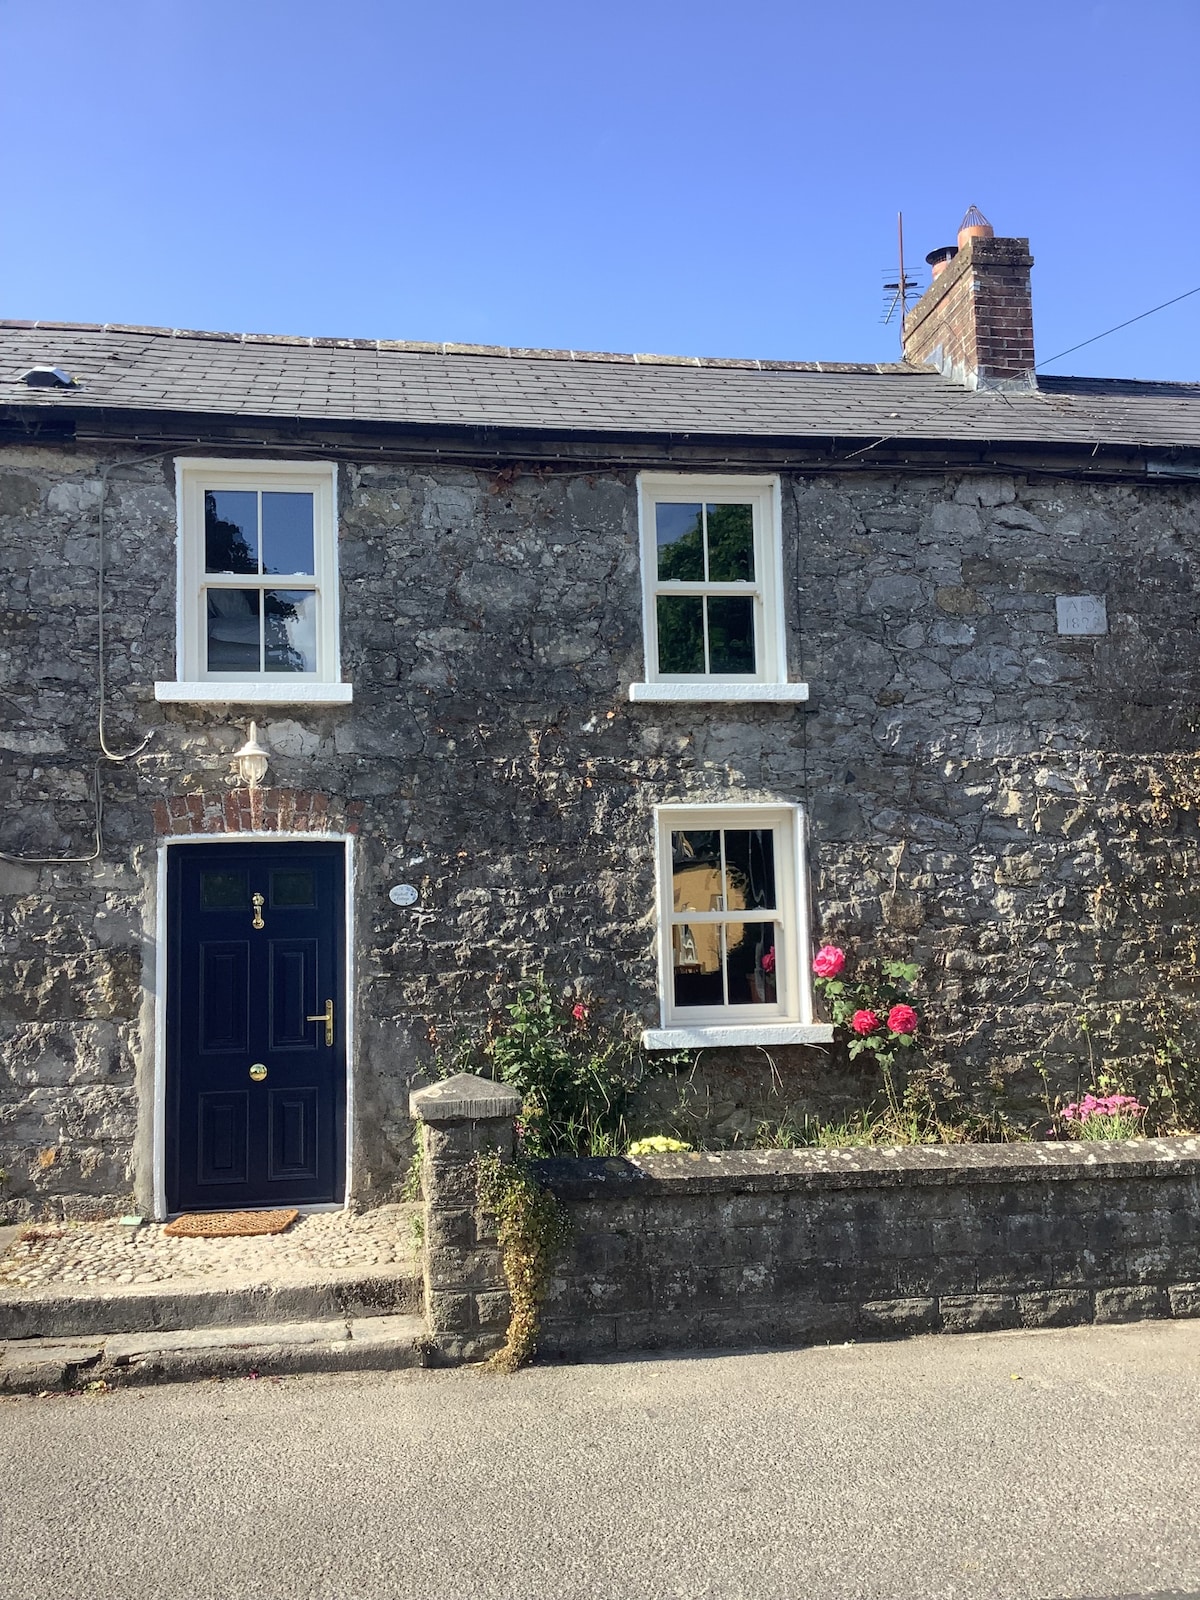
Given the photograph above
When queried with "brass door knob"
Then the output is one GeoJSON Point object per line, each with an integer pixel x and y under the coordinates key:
{"type": "Point", "coordinates": [258, 1072]}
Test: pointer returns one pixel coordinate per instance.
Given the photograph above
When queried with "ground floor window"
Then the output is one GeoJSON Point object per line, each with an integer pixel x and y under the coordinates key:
{"type": "Point", "coordinates": [732, 916]}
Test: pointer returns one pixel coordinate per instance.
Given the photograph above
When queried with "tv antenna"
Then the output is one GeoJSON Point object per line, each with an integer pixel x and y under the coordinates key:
{"type": "Point", "coordinates": [902, 289]}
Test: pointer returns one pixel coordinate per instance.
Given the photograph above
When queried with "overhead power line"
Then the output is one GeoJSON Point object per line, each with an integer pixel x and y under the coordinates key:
{"type": "Point", "coordinates": [1141, 315]}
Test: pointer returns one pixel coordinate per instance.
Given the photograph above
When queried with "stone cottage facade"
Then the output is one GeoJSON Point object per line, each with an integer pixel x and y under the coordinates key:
{"type": "Point", "coordinates": [635, 671]}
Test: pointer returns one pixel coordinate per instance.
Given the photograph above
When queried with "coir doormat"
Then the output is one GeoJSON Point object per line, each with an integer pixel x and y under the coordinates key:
{"type": "Point", "coordinates": [229, 1224]}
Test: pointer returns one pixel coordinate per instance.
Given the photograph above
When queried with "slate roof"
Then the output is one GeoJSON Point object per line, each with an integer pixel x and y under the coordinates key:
{"type": "Point", "coordinates": [270, 377]}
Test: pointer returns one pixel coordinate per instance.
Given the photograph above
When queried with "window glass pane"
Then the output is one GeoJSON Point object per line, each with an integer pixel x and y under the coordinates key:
{"type": "Point", "coordinates": [233, 630]}
{"type": "Point", "coordinates": [730, 544]}
{"type": "Point", "coordinates": [680, 633]}
{"type": "Point", "coordinates": [730, 633]}
{"type": "Point", "coordinates": [292, 888]}
{"type": "Point", "coordinates": [290, 633]}
{"type": "Point", "coordinates": [750, 869]}
{"type": "Point", "coordinates": [696, 870]}
{"type": "Point", "coordinates": [222, 891]}
{"type": "Point", "coordinates": [680, 533]}
{"type": "Point", "coordinates": [230, 530]}
{"type": "Point", "coordinates": [750, 963]}
{"type": "Point", "coordinates": [696, 958]}
{"type": "Point", "coordinates": [287, 532]}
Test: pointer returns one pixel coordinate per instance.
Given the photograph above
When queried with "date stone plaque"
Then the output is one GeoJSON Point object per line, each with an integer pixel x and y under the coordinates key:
{"type": "Point", "coordinates": [1082, 613]}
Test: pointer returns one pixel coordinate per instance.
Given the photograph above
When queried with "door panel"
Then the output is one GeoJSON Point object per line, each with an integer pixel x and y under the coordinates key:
{"type": "Point", "coordinates": [223, 1129]}
{"type": "Point", "coordinates": [224, 997]}
{"type": "Point", "coordinates": [292, 995]}
{"type": "Point", "coordinates": [294, 1132]}
{"type": "Point", "coordinates": [255, 950]}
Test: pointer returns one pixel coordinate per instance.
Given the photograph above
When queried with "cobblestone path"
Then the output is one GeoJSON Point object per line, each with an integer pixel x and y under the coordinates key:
{"type": "Point", "coordinates": [111, 1253]}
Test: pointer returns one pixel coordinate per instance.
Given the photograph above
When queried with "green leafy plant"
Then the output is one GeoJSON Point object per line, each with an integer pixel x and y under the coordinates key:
{"type": "Point", "coordinates": [917, 1120]}
{"type": "Point", "coordinates": [1174, 1093]}
{"type": "Point", "coordinates": [411, 1189]}
{"type": "Point", "coordinates": [574, 1078]}
{"type": "Point", "coordinates": [531, 1229]}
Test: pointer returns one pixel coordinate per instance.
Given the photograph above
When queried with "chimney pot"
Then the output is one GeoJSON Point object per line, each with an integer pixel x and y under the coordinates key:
{"type": "Point", "coordinates": [941, 258]}
{"type": "Point", "coordinates": [974, 225]}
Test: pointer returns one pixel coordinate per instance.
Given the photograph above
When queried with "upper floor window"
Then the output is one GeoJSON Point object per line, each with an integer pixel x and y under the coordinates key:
{"type": "Point", "coordinates": [712, 589]}
{"type": "Point", "coordinates": [258, 604]}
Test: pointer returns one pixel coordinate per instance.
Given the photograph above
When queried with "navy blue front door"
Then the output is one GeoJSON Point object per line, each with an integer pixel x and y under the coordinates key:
{"type": "Point", "coordinates": [256, 1055]}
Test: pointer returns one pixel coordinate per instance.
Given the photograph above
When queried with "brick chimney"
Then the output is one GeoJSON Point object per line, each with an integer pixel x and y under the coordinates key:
{"type": "Point", "coordinates": [975, 321]}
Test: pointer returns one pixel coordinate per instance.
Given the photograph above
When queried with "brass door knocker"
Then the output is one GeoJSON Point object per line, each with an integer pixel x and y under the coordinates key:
{"type": "Point", "coordinates": [256, 900]}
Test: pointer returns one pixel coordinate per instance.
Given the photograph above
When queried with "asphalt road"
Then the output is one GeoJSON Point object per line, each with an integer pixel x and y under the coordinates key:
{"type": "Point", "coordinates": [1021, 1466]}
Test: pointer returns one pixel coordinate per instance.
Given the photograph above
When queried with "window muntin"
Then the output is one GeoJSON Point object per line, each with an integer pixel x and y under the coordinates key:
{"type": "Point", "coordinates": [729, 908]}
{"type": "Point", "coordinates": [710, 560]}
{"type": "Point", "coordinates": [258, 597]}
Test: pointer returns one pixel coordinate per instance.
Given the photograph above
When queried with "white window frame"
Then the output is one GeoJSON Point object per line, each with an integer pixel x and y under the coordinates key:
{"type": "Point", "coordinates": [769, 681]}
{"type": "Point", "coordinates": [787, 1020]}
{"type": "Point", "coordinates": [194, 476]}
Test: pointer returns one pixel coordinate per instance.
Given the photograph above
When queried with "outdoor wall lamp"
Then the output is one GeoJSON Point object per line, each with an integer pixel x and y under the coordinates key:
{"type": "Point", "coordinates": [250, 762]}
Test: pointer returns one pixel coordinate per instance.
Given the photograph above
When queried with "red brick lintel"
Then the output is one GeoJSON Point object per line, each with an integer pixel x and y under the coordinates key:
{"type": "Point", "coordinates": [249, 811]}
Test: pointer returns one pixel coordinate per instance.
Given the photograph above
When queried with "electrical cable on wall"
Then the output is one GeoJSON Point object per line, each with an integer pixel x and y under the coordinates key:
{"type": "Point", "coordinates": [107, 754]}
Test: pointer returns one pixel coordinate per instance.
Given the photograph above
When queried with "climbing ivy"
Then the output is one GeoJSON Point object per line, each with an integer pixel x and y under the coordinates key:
{"type": "Point", "coordinates": [532, 1228]}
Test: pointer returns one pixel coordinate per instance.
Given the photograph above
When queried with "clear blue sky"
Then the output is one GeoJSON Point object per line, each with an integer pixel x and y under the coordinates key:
{"type": "Point", "coordinates": [702, 178]}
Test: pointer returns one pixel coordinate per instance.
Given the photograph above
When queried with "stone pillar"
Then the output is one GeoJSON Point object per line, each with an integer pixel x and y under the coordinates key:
{"type": "Point", "coordinates": [466, 1296]}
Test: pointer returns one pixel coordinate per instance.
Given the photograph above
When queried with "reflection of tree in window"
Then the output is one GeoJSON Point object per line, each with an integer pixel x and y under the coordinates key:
{"type": "Point", "coordinates": [280, 612]}
{"type": "Point", "coordinates": [730, 548]}
{"type": "Point", "coordinates": [700, 544]}
{"type": "Point", "coordinates": [225, 546]}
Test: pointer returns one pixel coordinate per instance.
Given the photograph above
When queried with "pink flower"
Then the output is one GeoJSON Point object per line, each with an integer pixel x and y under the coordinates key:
{"type": "Point", "coordinates": [829, 961]}
{"type": "Point", "coordinates": [864, 1022]}
{"type": "Point", "coordinates": [902, 1019]}
{"type": "Point", "coordinates": [1112, 1105]}
{"type": "Point", "coordinates": [579, 1011]}
{"type": "Point", "coordinates": [768, 961]}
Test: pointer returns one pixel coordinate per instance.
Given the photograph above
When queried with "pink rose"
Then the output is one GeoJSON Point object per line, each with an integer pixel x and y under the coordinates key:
{"type": "Point", "coordinates": [829, 961]}
{"type": "Point", "coordinates": [768, 961]}
{"type": "Point", "coordinates": [902, 1019]}
{"type": "Point", "coordinates": [864, 1022]}
{"type": "Point", "coordinates": [579, 1011]}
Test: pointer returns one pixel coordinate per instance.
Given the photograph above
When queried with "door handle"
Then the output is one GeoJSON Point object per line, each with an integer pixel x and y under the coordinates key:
{"type": "Point", "coordinates": [326, 1017]}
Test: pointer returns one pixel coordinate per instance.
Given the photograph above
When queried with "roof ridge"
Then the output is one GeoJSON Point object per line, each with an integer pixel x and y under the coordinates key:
{"type": "Point", "coordinates": [450, 348]}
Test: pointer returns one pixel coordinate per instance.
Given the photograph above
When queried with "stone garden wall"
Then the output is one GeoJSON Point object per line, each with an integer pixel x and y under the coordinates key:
{"type": "Point", "coordinates": [803, 1247]}
{"type": "Point", "coordinates": [1011, 808]}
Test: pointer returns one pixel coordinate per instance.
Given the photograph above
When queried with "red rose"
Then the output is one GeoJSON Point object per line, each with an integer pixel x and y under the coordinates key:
{"type": "Point", "coordinates": [864, 1022]}
{"type": "Point", "coordinates": [829, 961]}
{"type": "Point", "coordinates": [902, 1019]}
{"type": "Point", "coordinates": [579, 1012]}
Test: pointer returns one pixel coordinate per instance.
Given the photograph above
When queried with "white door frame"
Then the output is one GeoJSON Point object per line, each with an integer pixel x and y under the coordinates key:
{"type": "Point", "coordinates": [158, 993]}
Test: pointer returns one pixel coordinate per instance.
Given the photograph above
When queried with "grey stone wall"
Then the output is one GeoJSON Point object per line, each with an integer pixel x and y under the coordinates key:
{"type": "Point", "coordinates": [467, 1300]}
{"type": "Point", "coordinates": [802, 1247]}
{"type": "Point", "coordinates": [1012, 809]}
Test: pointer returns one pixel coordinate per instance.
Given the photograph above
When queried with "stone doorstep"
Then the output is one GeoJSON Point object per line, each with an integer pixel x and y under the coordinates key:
{"type": "Point", "coordinates": [66, 1312]}
{"type": "Point", "coordinates": [340, 1344]}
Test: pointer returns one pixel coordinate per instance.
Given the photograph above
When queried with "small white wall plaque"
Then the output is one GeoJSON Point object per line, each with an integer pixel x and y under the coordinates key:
{"type": "Point", "coordinates": [404, 894]}
{"type": "Point", "coordinates": [1082, 613]}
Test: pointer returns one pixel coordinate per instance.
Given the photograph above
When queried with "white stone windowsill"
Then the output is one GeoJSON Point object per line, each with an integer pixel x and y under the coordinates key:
{"type": "Point", "coordinates": [252, 692]}
{"type": "Point", "coordinates": [715, 691]}
{"type": "Point", "coordinates": [700, 1038]}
